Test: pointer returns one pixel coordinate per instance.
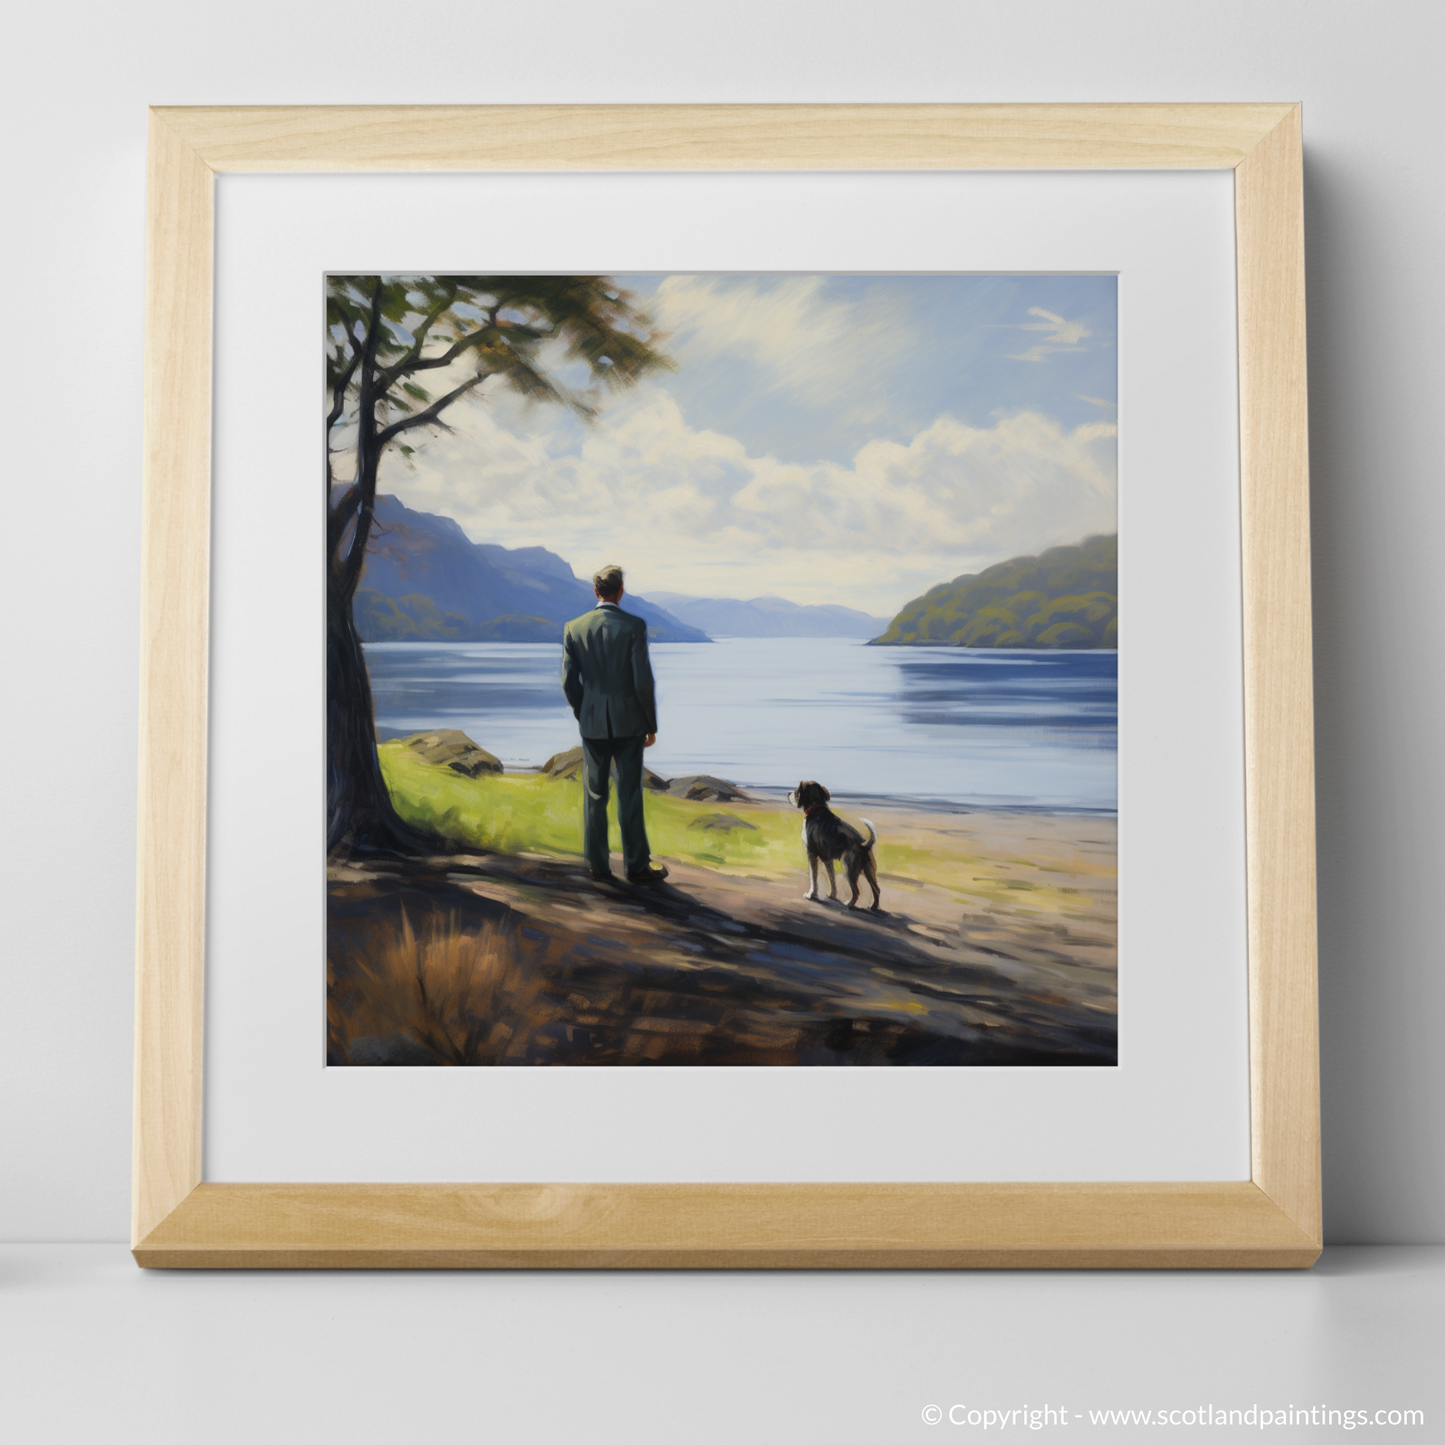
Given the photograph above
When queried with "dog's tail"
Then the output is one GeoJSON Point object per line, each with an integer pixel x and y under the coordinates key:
{"type": "Point", "coordinates": [872, 836]}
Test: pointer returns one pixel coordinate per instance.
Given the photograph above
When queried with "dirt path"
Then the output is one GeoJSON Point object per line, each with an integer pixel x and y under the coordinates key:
{"type": "Point", "coordinates": [1013, 962]}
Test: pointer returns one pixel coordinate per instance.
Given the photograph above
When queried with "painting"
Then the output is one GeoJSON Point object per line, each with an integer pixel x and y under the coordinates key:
{"type": "Point", "coordinates": [721, 670]}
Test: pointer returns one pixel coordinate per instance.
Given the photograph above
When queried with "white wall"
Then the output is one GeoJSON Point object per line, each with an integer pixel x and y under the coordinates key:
{"type": "Point", "coordinates": [78, 79]}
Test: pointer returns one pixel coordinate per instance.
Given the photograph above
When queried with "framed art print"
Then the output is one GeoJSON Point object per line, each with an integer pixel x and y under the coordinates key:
{"type": "Point", "coordinates": [722, 433]}
{"type": "Point", "coordinates": [746, 838]}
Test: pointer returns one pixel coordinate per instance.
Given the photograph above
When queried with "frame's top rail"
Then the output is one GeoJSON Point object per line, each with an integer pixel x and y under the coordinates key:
{"type": "Point", "coordinates": [723, 137]}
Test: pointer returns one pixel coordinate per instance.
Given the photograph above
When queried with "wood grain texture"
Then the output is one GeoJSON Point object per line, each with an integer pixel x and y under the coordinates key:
{"type": "Point", "coordinates": [720, 137]}
{"type": "Point", "coordinates": [705, 1226]}
{"type": "Point", "coordinates": [175, 558]}
{"type": "Point", "coordinates": [1279, 705]}
{"type": "Point", "coordinates": [1272, 1222]}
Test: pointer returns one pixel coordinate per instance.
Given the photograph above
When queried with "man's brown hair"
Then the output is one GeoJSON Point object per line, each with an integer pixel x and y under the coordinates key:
{"type": "Point", "coordinates": [608, 582]}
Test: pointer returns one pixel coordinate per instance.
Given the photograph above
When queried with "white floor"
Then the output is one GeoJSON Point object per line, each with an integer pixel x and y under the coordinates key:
{"type": "Point", "coordinates": [94, 1349]}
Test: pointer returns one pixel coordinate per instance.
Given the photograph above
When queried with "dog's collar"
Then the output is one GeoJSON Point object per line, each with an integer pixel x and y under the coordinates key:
{"type": "Point", "coordinates": [813, 809]}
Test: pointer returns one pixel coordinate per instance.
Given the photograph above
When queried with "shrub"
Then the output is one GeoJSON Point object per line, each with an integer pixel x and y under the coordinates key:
{"type": "Point", "coordinates": [465, 992]}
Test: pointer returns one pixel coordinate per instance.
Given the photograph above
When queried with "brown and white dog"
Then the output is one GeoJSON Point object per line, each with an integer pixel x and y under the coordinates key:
{"type": "Point", "coordinates": [828, 838]}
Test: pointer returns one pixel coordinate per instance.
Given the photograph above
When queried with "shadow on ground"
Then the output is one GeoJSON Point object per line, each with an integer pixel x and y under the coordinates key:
{"type": "Point", "coordinates": [491, 959]}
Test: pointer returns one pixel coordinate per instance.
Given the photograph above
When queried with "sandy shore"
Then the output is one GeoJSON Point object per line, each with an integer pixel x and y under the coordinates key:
{"type": "Point", "coordinates": [1013, 877]}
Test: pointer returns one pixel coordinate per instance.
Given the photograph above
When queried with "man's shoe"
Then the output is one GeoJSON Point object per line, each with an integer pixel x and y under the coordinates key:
{"type": "Point", "coordinates": [647, 875]}
{"type": "Point", "coordinates": [602, 877]}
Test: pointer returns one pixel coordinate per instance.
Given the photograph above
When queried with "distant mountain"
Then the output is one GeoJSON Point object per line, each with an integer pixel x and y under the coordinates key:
{"type": "Point", "coordinates": [1066, 597]}
{"type": "Point", "coordinates": [769, 617]}
{"type": "Point", "coordinates": [425, 580]}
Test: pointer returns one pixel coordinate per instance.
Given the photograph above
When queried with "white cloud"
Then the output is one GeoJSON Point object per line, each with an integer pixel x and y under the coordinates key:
{"type": "Point", "coordinates": [690, 510]}
{"type": "Point", "coordinates": [1064, 336]}
{"type": "Point", "coordinates": [806, 341]}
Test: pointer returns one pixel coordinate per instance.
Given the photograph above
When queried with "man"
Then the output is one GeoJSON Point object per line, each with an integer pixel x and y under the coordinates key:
{"type": "Point", "coordinates": [607, 678]}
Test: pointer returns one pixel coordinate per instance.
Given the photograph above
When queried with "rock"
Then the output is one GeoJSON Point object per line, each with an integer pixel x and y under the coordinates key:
{"type": "Point", "coordinates": [396, 1051]}
{"type": "Point", "coordinates": [564, 765]}
{"type": "Point", "coordinates": [721, 823]}
{"type": "Point", "coordinates": [454, 750]}
{"type": "Point", "coordinates": [701, 788]}
{"type": "Point", "coordinates": [568, 767]}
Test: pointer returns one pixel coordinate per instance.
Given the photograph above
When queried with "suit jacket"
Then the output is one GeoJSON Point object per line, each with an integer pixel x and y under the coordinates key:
{"type": "Point", "coordinates": [607, 675]}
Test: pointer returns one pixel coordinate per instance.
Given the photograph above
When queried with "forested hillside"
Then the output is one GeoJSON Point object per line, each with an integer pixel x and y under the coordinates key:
{"type": "Point", "coordinates": [1066, 597]}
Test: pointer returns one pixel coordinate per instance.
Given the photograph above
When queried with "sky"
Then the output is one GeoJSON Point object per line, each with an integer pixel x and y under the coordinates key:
{"type": "Point", "coordinates": [845, 439]}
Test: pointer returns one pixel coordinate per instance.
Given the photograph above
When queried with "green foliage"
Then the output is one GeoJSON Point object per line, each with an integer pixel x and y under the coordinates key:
{"type": "Point", "coordinates": [385, 333]}
{"type": "Point", "coordinates": [513, 628]}
{"type": "Point", "coordinates": [408, 619]}
{"type": "Point", "coordinates": [1066, 597]}
{"type": "Point", "coordinates": [416, 618]}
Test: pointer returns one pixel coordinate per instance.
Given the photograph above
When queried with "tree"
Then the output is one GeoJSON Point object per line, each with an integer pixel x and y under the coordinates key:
{"type": "Point", "coordinates": [384, 334]}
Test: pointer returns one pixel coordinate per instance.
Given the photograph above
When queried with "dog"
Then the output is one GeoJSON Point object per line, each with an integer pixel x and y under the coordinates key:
{"type": "Point", "coordinates": [829, 839]}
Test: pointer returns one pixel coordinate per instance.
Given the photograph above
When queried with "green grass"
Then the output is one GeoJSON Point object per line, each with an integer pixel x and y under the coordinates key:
{"type": "Point", "coordinates": [529, 813]}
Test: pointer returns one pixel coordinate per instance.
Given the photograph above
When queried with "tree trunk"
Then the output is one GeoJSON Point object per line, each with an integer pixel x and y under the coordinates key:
{"type": "Point", "coordinates": [360, 820]}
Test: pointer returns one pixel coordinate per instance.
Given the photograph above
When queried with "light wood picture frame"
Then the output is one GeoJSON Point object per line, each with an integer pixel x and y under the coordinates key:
{"type": "Point", "coordinates": [1271, 1220]}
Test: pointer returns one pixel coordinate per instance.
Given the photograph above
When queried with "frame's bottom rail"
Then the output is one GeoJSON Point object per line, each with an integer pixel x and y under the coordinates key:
{"type": "Point", "coordinates": [728, 1226]}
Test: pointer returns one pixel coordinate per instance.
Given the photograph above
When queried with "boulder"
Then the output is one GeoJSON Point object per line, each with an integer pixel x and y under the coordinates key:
{"type": "Point", "coordinates": [721, 823]}
{"type": "Point", "coordinates": [702, 788]}
{"type": "Point", "coordinates": [455, 750]}
{"type": "Point", "coordinates": [568, 767]}
{"type": "Point", "coordinates": [564, 765]}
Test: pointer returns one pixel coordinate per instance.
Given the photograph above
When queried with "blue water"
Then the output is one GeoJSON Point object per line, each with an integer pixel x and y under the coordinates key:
{"type": "Point", "coordinates": [1003, 728]}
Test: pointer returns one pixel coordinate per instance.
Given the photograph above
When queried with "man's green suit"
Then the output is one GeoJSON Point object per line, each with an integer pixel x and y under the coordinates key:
{"type": "Point", "coordinates": [607, 678]}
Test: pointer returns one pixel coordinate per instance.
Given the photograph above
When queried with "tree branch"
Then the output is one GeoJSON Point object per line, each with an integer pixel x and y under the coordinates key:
{"type": "Point", "coordinates": [431, 363]}
{"type": "Point", "coordinates": [361, 502]}
{"type": "Point", "coordinates": [338, 392]}
{"type": "Point", "coordinates": [431, 414]}
{"type": "Point", "coordinates": [401, 368]}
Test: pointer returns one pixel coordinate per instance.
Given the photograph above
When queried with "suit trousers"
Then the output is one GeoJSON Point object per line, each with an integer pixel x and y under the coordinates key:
{"type": "Point", "coordinates": [598, 758]}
